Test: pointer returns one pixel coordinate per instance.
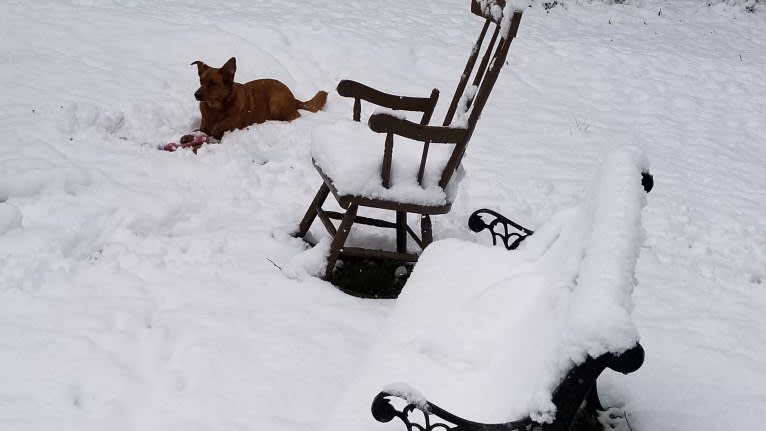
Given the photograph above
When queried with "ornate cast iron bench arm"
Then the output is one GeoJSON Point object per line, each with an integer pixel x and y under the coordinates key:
{"type": "Point", "coordinates": [510, 233]}
{"type": "Point", "coordinates": [578, 386]}
{"type": "Point", "coordinates": [435, 418]}
{"type": "Point", "coordinates": [387, 123]}
{"type": "Point", "coordinates": [348, 88]}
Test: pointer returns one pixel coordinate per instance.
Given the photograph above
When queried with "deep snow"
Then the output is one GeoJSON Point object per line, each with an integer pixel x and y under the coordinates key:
{"type": "Point", "coordinates": [142, 290]}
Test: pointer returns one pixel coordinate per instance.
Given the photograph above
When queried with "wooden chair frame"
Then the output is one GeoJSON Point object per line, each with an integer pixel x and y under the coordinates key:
{"type": "Point", "coordinates": [484, 79]}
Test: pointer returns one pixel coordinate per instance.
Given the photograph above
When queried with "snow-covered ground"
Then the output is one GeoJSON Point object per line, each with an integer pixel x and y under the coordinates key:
{"type": "Point", "coordinates": [145, 290]}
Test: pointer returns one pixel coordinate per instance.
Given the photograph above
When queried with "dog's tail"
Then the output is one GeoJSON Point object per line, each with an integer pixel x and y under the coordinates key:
{"type": "Point", "coordinates": [316, 103]}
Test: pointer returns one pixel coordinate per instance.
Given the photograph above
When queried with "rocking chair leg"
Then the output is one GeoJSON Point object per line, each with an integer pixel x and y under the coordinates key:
{"type": "Point", "coordinates": [426, 234]}
{"type": "Point", "coordinates": [311, 213]}
{"type": "Point", "coordinates": [401, 232]}
{"type": "Point", "coordinates": [340, 238]}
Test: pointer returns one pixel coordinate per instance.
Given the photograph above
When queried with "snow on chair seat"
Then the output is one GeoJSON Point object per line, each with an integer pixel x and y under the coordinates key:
{"type": "Point", "coordinates": [347, 152]}
{"type": "Point", "coordinates": [516, 339]}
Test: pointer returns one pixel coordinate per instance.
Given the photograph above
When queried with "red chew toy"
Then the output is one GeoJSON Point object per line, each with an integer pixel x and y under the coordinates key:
{"type": "Point", "coordinates": [189, 141]}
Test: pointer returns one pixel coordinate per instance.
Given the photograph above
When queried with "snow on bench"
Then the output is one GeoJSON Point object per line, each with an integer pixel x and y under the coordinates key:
{"type": "Point", "coordinates": [491, 334]}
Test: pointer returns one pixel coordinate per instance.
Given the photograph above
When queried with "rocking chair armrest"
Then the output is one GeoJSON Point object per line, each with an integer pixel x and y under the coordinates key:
{"type": "Point", "coordinates": [387, 123]}
{"type": "Point", "coordinates": [348, 88]}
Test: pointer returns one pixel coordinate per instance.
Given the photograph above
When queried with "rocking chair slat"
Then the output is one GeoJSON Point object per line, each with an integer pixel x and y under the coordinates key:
{"type": "Point", "coordinates": [485, 60]}
{"type": "Point", "coordinates": [466, 74]}
{"type": "Point", "coordinates": [423, 160]}
{"type": "Point", "coordinates": [357, 109]}
{"type": "Point", "coordinates": [484, 9]}
{"type": "Point", "coordinates": [426, 233]}
{"type": "Point", "coordinates": [401, 232]}
{"type": "Point", "coordinates": [481, 97]}
{"type": "Point", "coordinates": [423, 122]}
{"type": "Point", "coordinates": [387, 155]}
{"type": "Point", "coordinates": [429, 112]}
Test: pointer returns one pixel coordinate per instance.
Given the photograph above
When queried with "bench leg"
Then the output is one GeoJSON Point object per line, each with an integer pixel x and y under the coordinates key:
{"type": "Point", "coordinates": [426, 234]}
{"type": "Point", "coordinates": [311, 213]}
{"type": "Point", "coordinates": [592, 402]}
{"type": "Point", "coordinates": [340, 239]}
{"type": "Point", "coordinates": [401, 232]}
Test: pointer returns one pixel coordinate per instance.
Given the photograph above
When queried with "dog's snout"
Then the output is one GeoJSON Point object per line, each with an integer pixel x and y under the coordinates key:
{"type": "Point", "coordinates": [198, 94]}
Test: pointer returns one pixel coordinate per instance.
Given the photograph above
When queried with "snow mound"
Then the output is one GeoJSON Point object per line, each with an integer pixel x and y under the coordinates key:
{"type": "Point", "coordinates": [489, 334]}
{"type": "Point", "coordinates": [10, 217]}
{"type": "Point", "coordinates": [31, 176]}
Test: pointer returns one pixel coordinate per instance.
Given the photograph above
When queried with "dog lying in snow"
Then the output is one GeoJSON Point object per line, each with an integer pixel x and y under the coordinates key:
{"type": "Point", "coordinates": [226, 105]}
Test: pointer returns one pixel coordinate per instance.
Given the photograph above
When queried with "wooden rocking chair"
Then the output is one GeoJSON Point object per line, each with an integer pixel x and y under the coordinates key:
{"type": "Point", "coordinates": [437, 199]}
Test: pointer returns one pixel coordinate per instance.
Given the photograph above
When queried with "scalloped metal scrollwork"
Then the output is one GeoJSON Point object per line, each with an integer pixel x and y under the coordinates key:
{"type": "Point", "coordinates": [509, 232]}
{"type": "Point", "coordinates": [384, 411]}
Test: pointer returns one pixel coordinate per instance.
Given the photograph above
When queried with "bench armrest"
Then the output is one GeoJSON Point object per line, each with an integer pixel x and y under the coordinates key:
{"type": "Point", "coordinates": [387, 123]}
{"type": "Point", "coordinates": [578, 388]}
{"type": "Point", "coordinates": [348, 88]}
{"type": "Point", "coordinates": [436, 418]}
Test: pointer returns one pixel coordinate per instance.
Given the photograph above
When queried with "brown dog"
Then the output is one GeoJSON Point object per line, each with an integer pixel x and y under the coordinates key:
{"type": "Point", "coordinates": [226, 105]}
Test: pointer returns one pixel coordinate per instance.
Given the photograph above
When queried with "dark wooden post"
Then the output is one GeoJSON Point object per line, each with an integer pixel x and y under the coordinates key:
{"type": "Point", "coordinates": [311, 213]}
{"type": "Point", "coordinates": [426, 234]}
{"type": "Point", "coordinates": [401, 232]}
{"type": "Point", "coordinates": [340, 238]}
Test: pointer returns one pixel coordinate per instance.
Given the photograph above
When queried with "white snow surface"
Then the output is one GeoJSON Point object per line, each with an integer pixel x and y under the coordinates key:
{"type": "Point", "coordinates": [10, 217]}
{"type": "Point", "coordinates": [147, 290]}
{"type": "Point", "coordinates": [408, 393]}
{"type": "Point", "coordinates": [496, 348]}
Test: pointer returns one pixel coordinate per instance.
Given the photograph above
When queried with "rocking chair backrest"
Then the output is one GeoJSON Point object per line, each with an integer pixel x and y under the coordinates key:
{"type": "Point", "coordinates": [493, 11]}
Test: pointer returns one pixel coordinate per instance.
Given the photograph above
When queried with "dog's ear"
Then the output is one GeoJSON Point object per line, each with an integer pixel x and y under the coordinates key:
{"type": "Point", "coordinates": [201, 67]}
{"type": "Point", "coordinates": [228, 69]}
